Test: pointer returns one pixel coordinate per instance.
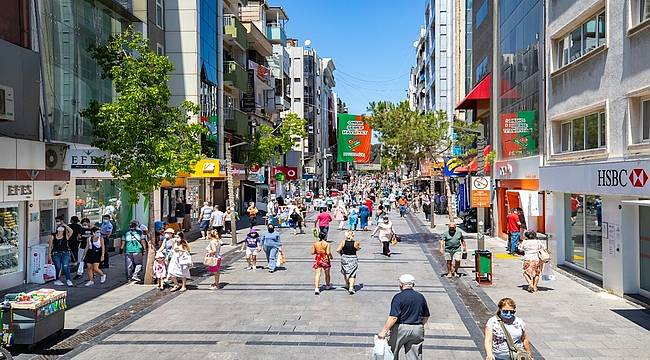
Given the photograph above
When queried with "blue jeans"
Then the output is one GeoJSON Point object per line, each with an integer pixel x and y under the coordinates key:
{"type": "Point", "coordinates": [273, 255]}
{"type": "Point", "coordinates": [402, 210]}
{"type": "Point", "coordinates": [61, 260]}
{"type": "Point", "coordinates": [514, 239]}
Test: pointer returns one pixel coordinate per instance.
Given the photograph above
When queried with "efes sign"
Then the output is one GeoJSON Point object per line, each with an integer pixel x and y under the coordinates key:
{"type": "Point", "coordinates": [606, 178]}
{"type": "Point", "coordinates": [637, 177]}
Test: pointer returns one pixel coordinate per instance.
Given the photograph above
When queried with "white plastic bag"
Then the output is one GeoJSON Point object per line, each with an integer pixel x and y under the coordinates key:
{"type": "Point", "coordinates": [381, 350]}
{"type": "Point", "coordinates": [547, 273]}
{"type": "Point", "coordinates": [49, 272]}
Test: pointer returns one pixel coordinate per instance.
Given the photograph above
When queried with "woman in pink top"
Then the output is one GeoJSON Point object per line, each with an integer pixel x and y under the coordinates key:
{"type": "Point", "coordinates": [323, 221]}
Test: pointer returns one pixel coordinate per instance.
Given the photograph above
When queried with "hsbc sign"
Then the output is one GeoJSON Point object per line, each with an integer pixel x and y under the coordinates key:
{"type": "Point", "coordinates": [637, 177]}
{"type": "Point", "coordinates": [627, 178]}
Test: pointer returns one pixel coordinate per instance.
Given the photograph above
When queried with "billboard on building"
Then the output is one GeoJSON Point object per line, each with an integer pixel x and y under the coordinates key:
{"type": "Point", "coordinates": [519, 134]}
{"type": "Point", "coordinates": [354, 139]}
{"type": "Point", "coordinates": [375, 160]}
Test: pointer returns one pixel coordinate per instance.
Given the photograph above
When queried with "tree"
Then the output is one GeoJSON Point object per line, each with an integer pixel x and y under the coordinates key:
{"type": "Point", "coordinates": [147, 140]}
{"type": "Point", "coordinates": [409, 136]}
{"type": "Point", "coordinates": [268, 143]}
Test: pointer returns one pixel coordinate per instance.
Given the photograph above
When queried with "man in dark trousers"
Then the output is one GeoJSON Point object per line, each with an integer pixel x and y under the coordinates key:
{"type": "Point", "coordinates": [409, 313]}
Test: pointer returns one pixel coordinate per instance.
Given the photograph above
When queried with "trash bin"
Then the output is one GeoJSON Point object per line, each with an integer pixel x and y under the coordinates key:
{"type": "Point", "coordinates": [483, 267]}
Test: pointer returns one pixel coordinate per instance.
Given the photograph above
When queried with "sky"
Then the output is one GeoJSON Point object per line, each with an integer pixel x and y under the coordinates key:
{"type": "Point", "coordinates": [370, 41]}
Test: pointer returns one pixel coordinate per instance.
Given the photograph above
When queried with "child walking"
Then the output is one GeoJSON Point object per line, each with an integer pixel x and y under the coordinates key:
{"type": "Point", "coordinates": [213, 250]}
{"type": "Point", "coordinates": [160, 269]}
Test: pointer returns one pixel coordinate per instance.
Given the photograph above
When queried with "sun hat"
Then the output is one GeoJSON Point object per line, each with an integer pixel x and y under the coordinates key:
{"type": "Point", "coordinates": [170, 230]}
{"type": "Point", "coordinates": [160, 255]}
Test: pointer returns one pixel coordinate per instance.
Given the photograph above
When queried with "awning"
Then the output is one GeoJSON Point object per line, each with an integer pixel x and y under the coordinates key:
{"type": "Point", "coordinates": [479, 96]}
{"type": "Point", "coordinates": [471, 167]}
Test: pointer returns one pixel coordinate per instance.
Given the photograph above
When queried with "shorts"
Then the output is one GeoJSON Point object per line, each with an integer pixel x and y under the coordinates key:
{"type": "Point", "coordinates": [219, 229]}
{"type": "Point", "coordinates": [251, 251]}
{"type": "Point", "coordinates": [205, 224]}
{"type": "Point", "coordinates": [574, 213]}
{"type": "Point", "coordinates": [456, 256]}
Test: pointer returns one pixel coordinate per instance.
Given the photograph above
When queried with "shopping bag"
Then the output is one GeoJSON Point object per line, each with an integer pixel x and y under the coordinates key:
{"type": "Point", "coordinates": [49, 272]}
{"type": "Point", "coordinates": [80, 269]}
{"type": "Point", "coordinates": [547, 273]}
{"type": "Point", "coordinates": [282, 258]}
{"type": "Point", "coordinates": [315, 232]}
{"type": "Point", "coordinates": [381, 350]}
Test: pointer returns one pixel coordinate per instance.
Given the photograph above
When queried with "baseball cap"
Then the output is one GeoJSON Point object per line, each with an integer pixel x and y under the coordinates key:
{"type": "Point", "coordinates": [407, 279]}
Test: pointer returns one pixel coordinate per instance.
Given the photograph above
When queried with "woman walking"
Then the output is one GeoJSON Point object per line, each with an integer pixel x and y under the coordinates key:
{"type": "Point", "coordinates": [353, 219]}
{"type": "Point", "coordinates": [213, 250]}
{"type": "Point", "coordinates": [385, 230]}
{"type": "Point", "coordinates": [93, 256]}
{"type": "Point", "coordinates": [322, 255]}
{"type": "Point", "coordinates": [59, 245]}
{"type": "Point", "coordinates": [341, 213]}
{"type": "Point", "coordinates": [364, 214]}
{"type": "Point", "coordinates": [496, 339]}
{"type": "Point", "coordinates": [272, 245]}
{"type": "Point", "coordinates": [349, 261]}
{"type": "Point", "coordinates": [532, 263]}
{"type": "Point", "coordinates": [180, 263]}
{"type": "Point", "coordinates": [252, 214]}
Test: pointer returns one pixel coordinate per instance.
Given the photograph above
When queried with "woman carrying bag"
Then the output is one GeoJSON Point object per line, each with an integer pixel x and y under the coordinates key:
{"type": "Point", "coordinates": [505, 334]}
{"type": "Point", "coordinates": [180, 263]}
{"type": "Point", "coordinates": [535, 255]}
{"type": "Point", "coordinates": [213, 257]}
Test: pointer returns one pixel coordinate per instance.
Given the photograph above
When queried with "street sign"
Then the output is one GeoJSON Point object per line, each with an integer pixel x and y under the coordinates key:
{"type": "Point", "coordinates": [480, 191]}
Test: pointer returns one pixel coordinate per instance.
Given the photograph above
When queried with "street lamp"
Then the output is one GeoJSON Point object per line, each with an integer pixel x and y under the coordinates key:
{"type": "Point", "coordinates": [231, 188]}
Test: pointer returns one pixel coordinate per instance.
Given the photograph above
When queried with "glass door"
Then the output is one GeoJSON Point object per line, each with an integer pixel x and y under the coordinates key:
{"type": "Point", "coordinates": [644, 249]}
{"type": "Point", "coordinates": [575, 221]}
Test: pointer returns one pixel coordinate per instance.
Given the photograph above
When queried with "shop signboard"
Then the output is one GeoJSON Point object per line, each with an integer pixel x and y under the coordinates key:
{"type": "Point", "coordinates": [519, 134]}
{"type": "Point", "coordinates": [480, 191]}
{"type": "Point", "coordinates": [17, 190]}
{"type": "Point", "coordinates": [375, 160]}
{"type": "Point", "coordinates": [289, 172]}
{"type": "Point", "coordinates": [84, 158]}
{"type": "Point", "coordinates": [354, 139]}
{"type": "Point", "coordinates": [609, 178]}
{"type": "Point", "coordinates": [207, 168]}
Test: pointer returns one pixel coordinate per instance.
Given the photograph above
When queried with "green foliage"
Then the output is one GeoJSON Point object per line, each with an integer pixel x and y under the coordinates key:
{"type": "Point", "coordinates": [410, 136]}
{"type": "Point", "coordinates": [268, 142]}
{"type": "Point", "coordinates": [146, 139]}
{"type": "Point", "coordinates": [489, 159]}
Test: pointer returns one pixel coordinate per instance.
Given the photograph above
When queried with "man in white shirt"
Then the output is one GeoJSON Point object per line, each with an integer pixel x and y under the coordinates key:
{"type": "Point", "coordinates": [217, 220]}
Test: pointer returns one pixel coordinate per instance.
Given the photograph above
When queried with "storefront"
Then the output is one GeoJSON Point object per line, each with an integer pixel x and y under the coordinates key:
{"type": "Point", "coordinates": [13, 247]}
{"type": "Point", "coordinates": [517, 186]}
{"type": "Point", "coordinates": [599, 218]}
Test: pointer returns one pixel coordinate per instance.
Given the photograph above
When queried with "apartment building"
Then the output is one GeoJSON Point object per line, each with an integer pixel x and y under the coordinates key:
{"type": "Point", "coordinates": [326, 124]}
{"type": "Point", "coordinates": [597, 156]}
{"type": "Point", "coordinates": [418, 75]}
{"type": "Point", "coordinates": [439, 55]}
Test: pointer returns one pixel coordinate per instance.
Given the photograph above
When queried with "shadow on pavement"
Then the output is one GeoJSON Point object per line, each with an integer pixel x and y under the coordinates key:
{"type": "Point", "coordinates": [641, 317]}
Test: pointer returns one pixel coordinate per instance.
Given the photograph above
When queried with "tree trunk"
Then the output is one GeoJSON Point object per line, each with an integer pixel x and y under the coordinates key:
{"type": "Point", "coordinates": [449, 204]}
{"type": "Point", "coordinates": [151, 251]}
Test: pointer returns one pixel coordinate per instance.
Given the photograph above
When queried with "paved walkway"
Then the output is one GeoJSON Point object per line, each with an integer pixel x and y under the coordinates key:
{"type": "Point", "coordinates": [565, 319]}
{"type": "Point", "coordinates": [258, 315]}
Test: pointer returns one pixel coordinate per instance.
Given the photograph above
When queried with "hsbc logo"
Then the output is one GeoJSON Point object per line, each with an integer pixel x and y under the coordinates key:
{"type": "Point", "coordinates": [638, 177]}
{"type": "Point", "coordinates": [622, 178]}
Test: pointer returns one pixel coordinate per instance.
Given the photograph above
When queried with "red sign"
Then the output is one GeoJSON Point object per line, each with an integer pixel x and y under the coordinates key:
{"type": "Point", "coordinates": [290, 172]}
{"type": "Point", "coordinates": [638, 177]}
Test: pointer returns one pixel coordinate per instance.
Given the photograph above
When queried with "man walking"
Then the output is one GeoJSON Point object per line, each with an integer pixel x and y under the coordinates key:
{"type": "Point", "coordinates": [133, 245]}
{"type": "Point", "coordinates": [205, 215]}
{"type": "Point", "coordinates": [409, 313]}
{"type": "Point", "coordinates": [450, 245]}
{"type": "Point", "coordinates": [217, 220]}
{"type": "Point", "coordinates": [323, 220]}
{"type": "Point", "coordinates": [514, 226]}
{"type": "Point", "coordinates": [106, 229]}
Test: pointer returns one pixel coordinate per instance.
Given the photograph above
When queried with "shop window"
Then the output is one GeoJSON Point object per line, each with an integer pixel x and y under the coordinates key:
{"type": "Point", "coordinates": [584, 133]}
{"type": "Point", "coordinates": [584, 231]}
{"type": "Point", "coordinates": [10, 239]}
{"type": "Point", "coordinates": [581, 41]}
{"type": "Point", "coordinates": [98, 197]}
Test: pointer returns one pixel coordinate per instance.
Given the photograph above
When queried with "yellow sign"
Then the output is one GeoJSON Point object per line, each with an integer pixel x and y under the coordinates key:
{"type": "Point", "coordinates": [207, 168]}
{"type": "Point", "coordinates": [480, 191]}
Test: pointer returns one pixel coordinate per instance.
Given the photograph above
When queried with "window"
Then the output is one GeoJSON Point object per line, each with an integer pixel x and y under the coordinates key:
{"type": "Point", "coordinates": [644, 10]}
{"type": "Point", "coordinates": [584, 225]}
{"type": "Point", "coordinates": [481, 69]}
{"type": "Point", "coordinates": [645, 120]}
{"type": "Point", "coordinates": [160, 13]}
{"type": "Point", "coordinates": [296, 100]}
{"type": "Point", "coordinates": [160, 50]}
{"type": "Point", "coordinates": [296, 80]}
{"type": "Point", "coordinates": [481, 14]}
{"type": "Point", "coordinates": [583, 133]}
{"type": "Point", "coordinates": [582, 40]}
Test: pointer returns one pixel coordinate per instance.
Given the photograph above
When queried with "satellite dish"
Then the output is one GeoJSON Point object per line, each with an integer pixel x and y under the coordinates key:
{"type": "Point", "coordinates": [307, 42]}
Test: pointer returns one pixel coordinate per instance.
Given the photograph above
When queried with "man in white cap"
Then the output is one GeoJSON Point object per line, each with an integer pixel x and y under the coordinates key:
{"type": "Point", "coordinates": [409, 313]}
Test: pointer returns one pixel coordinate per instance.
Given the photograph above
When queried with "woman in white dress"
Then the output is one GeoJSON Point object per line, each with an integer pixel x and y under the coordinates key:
{"type": "Point", "coordinates": [180, 263]}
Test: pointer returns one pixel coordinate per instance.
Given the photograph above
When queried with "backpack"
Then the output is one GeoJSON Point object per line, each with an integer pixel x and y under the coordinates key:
{"type": "Point", "coordinates": [133, 245]}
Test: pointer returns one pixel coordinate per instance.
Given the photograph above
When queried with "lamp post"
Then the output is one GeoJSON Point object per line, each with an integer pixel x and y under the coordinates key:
{"type": "Point", "coordinates": [231, 188]}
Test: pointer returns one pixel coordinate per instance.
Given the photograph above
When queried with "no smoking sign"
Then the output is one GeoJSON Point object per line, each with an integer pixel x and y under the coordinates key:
{"type": "Point", "coordinates": [480, 192]}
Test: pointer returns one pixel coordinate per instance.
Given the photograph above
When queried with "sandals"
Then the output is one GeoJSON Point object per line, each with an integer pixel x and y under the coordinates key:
{"type": "Point", "coordinates": [175, 288]}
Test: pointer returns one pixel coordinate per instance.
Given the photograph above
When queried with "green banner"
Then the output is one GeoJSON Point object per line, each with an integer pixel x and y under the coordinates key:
{"type": "Point", "coordinates": [354, 138]}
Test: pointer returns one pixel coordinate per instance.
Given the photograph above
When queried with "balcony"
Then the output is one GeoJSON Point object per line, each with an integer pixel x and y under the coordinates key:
{"type": "Point", "coordinates": [235, 75]}
{"type": "Point", "coordinates": [275, 33]}
{"type": "Point", "coordinates": [234, 31]}
{"type": "Point", "coordinates": [236, 121]}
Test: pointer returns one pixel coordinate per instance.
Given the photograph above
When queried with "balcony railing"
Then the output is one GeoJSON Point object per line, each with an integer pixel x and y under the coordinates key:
{"type": "Point", "coordinates": [276, 34]}
{"type": "Point", "coordinates": [236, 75]}
{"type": "Point", "coordinates": [233, 27]}
{"type": "Point", "coordinates": [236, 121]}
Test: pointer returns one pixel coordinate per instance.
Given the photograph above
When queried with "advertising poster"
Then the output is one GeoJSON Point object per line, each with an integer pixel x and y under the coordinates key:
{"type": "Point", "coordinates": [375, 160]}
{"type": "Point", "coordinates": [354, 138]}
{"type": "Point", "coordinates": [519, 134]}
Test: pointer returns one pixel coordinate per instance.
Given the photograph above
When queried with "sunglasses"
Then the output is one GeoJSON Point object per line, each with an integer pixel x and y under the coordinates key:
{"type": "Point", "coordinates": [508, 311]}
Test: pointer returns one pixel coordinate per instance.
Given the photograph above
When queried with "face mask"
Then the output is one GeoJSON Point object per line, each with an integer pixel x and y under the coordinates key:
{"type": "Point", "coordinates": [98, 234]}
{"type": "Point", "coordinates": [58, 223]}
{"type": "Point", "coordinates": [168, 235]}
{"type": "Point", "coordinates": [507, 315]}
{"type": "Point", "coordinates": [106, 221]}
{"type": "Point", "coordinates": [452, 231]}
{"type": "Point", "coordinates": [271, 229]}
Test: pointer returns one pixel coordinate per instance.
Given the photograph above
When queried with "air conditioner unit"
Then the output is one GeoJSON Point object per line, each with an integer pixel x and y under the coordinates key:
{"type": "Point", "coordinates": [6, 103]}
{"type": "Point", "coordinates": [54, 156]}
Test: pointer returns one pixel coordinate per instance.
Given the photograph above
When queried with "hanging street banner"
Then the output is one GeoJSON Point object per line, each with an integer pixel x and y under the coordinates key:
{"type": "Point", "coordinates": [519, 134]}
{"type": "Point", "coordinates": [354, 138]}
{"type": "Point", "coordinates": [375, 160]}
